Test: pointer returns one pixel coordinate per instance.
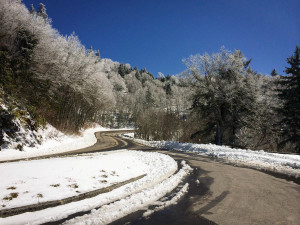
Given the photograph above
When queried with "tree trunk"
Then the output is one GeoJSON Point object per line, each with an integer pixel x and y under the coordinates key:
{"type": "Point", "coordinates": [219, 134]}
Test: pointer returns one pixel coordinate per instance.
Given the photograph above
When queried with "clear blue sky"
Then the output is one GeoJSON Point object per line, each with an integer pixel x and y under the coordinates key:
{"type": "Point", "coordinates": [158, 34]}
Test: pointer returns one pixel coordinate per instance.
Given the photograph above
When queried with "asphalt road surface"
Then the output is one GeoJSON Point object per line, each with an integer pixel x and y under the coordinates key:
{"type": "Point", "coordinates": [225, 195]}
{"type": "Point", "coordinates": [228, 194]}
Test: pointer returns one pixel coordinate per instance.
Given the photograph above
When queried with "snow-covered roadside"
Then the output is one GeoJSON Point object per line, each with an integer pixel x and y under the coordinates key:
{"type": "Point", "coordinates": [280, 163]}
{"type": "Point", "coordinates": [159, 180]}
{"type": "Point", "coordinates": [54, 142]}
{"type": "Point", "coordinates": [37, 181]}
{"type": "Point", "coordinates": [116, 210]}
{"type": "Point", "coordinates": [165, 204]}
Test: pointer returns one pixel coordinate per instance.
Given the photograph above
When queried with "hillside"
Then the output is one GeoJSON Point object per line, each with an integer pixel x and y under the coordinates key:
{"type": "Point", "coordinates": [48, 78]}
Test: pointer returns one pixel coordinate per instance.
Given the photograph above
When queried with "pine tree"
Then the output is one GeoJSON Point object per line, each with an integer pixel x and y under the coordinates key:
{"type": "Point", "coordinates": [138, 75]}
{"type": "Point", "coordinates": [149, 101]}
{"type": "Point", "coordinates": [290, 94]}
{"type": "Point", "coordinates": [168, 89]}
{"type": "Point", "coordinates": [98, 55]}
{"type": "Point", "coordinates": [122, 70]}
{"type": "Point", "coordinates": [274, 73]}
{"type": "Point", "coordinates": [90, 51]}
{"type": "Point", "coordinates": [32, 10]}
{"type": "Point", "coordinates": [42, 11]}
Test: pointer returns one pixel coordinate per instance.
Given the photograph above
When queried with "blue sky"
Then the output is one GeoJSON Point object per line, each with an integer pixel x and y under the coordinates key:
{"type": "Point", "coordinates": [158, 34]}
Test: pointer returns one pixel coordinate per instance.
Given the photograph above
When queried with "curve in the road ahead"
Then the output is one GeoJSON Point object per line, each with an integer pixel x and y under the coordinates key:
{"type": "Point", "coordinates": [219, 192]}
{"type": "Point", "coordinates": [226, 194]}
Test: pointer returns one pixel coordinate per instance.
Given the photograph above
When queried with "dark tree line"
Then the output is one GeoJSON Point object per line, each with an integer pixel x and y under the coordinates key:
{"type": "Point", "coordinates": [289, 93]}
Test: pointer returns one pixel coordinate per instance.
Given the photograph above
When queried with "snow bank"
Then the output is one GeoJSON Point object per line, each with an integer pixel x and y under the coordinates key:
{"type": "Point", "coordinates": [288, 164]}
{"type": "Point", "coordinates": [111, 212]}
{"type": "Point", "coordinates": [159, 180]}
{"type": "Point", "coordinates": [54, 142]}
{"type": "Point", "coordinates": [173, 201]}
{"type": "Point", "coordinates": [51, 179]}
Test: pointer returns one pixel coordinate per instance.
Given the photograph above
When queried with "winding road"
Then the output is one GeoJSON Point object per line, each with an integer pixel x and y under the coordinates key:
{"type": "Point", "coordinates": [219, 193]}
{"type": "Point", "coordinates": [228, 194]}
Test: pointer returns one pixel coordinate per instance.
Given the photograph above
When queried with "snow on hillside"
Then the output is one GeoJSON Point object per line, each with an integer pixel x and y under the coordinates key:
{"type": "Point", "coordinates": [17, 127]}
{"type": "Point", "coordinates": [108, 65]}
{"type": "Point", "coordinates": [160, 179]}
{"type": "Point", "coordinates": [53, 142]}
{"type": "Point", "coordinates": [21, 136]}
{"type": "Point", "coordinates": [288, 164]}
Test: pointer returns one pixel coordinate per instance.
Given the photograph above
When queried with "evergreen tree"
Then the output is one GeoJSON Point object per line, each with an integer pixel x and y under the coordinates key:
{"type": "Point", "coordinates": [122, 70]}
{"type": "Point", "coordinates": [32, 10]}
{"type": "Point", "coordinates": [149, 101]}
{"type": "Point", "coordinates": [26, 43]}
{"type": "Point", "coordinates": [224, 96]}
{"type": "Point", "coordinates": [138, 75]}
{"type": "Point", "coordinates": [274, 73]}
{"type": "Point", "coordinates": [168, 89]}
{"type": "Point", "coordinates": [42, 11]}
{"type": "Point", "coordinates": [90, 51]}
{"type": "Point", "coordinates": [290, 94]}
{"type": "Point", "coordinates": [98, 55]}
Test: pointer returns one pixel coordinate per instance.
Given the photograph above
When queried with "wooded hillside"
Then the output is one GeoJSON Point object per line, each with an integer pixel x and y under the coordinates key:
{"type": "Point", "coordinates": [218, 99]}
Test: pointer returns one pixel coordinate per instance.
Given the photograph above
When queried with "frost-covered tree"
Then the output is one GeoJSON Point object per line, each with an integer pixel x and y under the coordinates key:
{"type": "Point", "coordinates": [224, 95]}
{"type": "Point", "coordinates": [32, 10]}
{"type": "Point", "coordinates": [68, 85]}
{"type": "Point", "coordinates": [90, 51]}
{"type": "Point", "coordinates": [160, 76]}
{"type": "Point", "coordinates": [42, 11]}
{"type": "Point", "coordinates": [98, 55]}
{"type": "Point", "coordinates": [50, 72]}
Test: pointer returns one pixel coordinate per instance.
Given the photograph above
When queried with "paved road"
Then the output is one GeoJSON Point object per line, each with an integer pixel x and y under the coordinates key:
{"type": "Point", "coordinates": [241, 195]}
{"type": "Point", "coordinates": [234, 195]}
{"type": "Point", "coordinates": [225, 195]}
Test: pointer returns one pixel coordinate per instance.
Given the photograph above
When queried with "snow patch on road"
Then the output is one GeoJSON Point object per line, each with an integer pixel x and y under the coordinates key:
{"type": "Point", "coordinates": [165, 204]}
{"type": "Point", "coordinates": [288, 164]}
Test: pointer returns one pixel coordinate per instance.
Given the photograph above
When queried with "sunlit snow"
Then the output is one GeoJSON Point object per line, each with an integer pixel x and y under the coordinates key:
{"type": "Point", "coordinates": [282, 163]}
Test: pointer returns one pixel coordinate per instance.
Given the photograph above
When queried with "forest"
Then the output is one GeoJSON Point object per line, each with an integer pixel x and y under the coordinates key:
{"type": "Point", "coordinates": [218, 99]}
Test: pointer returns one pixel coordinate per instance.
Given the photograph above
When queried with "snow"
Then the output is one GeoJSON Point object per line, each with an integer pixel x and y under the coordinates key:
{"type": "Point", "coordinates": [173, 201]}
{"type": "Point", "coordinates": [109, 213]}
{"type": "Point", "coordinates": [42, 180]}
{"type": "Point", "coordinates": [17, 131]}
{"type": "Point", "coordinates": [288, 164]}
{"type": "Point", "coordinates": [54, 142]}
{"type": "Point", "coordinates": [159, 180]}
{"type": "Point", "coordinates": [58, 178]}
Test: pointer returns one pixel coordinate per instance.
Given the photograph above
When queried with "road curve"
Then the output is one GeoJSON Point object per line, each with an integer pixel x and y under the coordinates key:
{"type": "Point", "coordinates": [228, 194]}
{"type": "Point", "coordinates": [225, 195]}
{"type": "Point", "coordinates": [237, 195]}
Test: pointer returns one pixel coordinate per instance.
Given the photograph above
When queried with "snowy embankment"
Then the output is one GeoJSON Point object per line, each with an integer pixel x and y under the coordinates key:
{"type": "Point", "coordinates": [281, 163]}
{"type": "Point", "coordinates": [83, 173]}
{"type": "Point", "coordinates": [38, 181]}
{"type": "Point", "coordinates": [137, 201]}
{"type": "Point", "coordinates": [53, 142]}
